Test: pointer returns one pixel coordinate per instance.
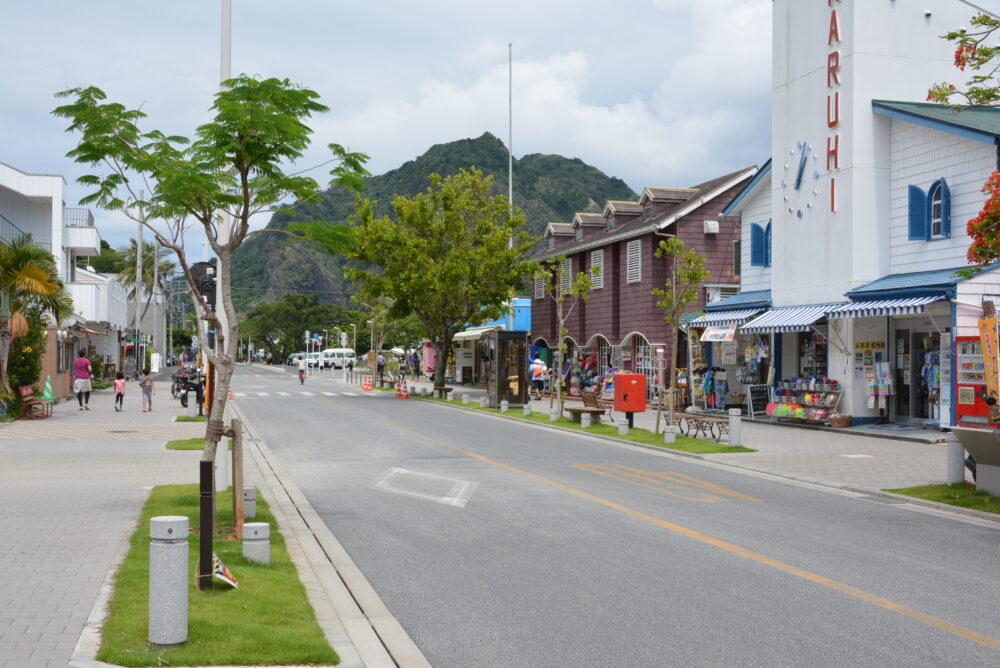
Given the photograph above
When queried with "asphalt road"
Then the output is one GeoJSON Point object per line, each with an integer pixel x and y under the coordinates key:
{"type": "Point", "coordinates": [501, 544]}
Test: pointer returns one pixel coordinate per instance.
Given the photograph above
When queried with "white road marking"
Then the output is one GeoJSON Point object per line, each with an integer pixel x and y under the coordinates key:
{"type": "Point", "coordinates": [859, 456]}
{"type": "Point", "coordinates": [350, 394]}
{"type": "Point", "coordinates": [239, 394]}
{"type": "Point", "coordinates": [262, 394]}
{"type": "Point", "coordinates": [458, 494]}
{"type": "Point", "coordinates": [255, 387]}
{"type": "Point", "coordinates": [284, 394]}
{"type": "Point", "coordinates": [330, 394]}
{"type": "Point", "coordinates": [307, 394]}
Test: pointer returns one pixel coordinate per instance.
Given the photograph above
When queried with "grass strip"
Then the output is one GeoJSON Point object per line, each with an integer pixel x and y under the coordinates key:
{"type": "Point", "coordinates": [268, 620]}
{"type": "Point", "coordinates": [192, 444]}
{"type": "Point", "coordinates": [191, 418]}
{"type": "Point", "coordinates": [962, 494]}
{"type": "Point", "coordinates": [695, 446]}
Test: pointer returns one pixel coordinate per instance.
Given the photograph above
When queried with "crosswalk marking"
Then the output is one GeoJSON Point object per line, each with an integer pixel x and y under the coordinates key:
{"type": "Point", "coordinates": [307, 394]}
{"type": "Point", "coordinates": [239, 394]}
{"type": "Point", "coordinates": [284, 394]}
{"type": "Point", "coordinates": [350, 394]}
{"type": "Point", "coordinates": [330, 394]}
{"type": "Point", "coordinates": [262, 394]}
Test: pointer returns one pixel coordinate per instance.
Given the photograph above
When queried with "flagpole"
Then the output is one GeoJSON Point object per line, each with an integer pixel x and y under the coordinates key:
{"type": "Point", "coordinates": [510, 159]}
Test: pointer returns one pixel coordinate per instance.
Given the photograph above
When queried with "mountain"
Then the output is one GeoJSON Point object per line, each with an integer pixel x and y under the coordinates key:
{"type": "Point", "coordinates": [548, 188]}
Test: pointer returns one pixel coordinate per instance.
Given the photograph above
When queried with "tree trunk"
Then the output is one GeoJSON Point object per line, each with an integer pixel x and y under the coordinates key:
{"type": "Point", "coordinates": [225, 354]}
{"type": "Point", "coordinates": [5, 339]}
{"type": "Point", "coordinates": [673, 373]}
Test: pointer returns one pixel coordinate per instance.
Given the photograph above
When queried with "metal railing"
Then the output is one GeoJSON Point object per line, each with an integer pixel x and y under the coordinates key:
{"type": "Point", "coordinates": [8, 230]}
{"type": "Point", "coordinates": [79, 217]}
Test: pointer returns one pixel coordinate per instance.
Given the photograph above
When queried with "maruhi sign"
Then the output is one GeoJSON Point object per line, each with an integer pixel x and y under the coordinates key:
{"type": "Point", "coordinates": [834, 84]}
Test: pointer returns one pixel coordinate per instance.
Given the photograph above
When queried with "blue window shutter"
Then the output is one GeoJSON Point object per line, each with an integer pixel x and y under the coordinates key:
{"type": "Point", "coordinates": [945, 208]}
{"type": "Point", "coordinates": [767, 245]}
{"type": "Point", "coordinates": [918, 214]}
{"type": "Point", "coordinates": [757, 249]}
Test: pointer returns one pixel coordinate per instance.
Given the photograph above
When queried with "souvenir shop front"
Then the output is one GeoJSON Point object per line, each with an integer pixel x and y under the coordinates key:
{"type": "Point", "coordinates": [725, 360]}
{"type": "Point", "coordinates": [591, 368]}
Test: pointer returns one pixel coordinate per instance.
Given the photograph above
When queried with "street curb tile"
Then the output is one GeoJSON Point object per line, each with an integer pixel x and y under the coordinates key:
{"type": "Point", "coordinates": [376, 634]}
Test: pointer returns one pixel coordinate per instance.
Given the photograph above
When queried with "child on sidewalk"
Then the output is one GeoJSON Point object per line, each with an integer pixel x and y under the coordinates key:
{"type": "Point", "coordinates": [119, 391]}
{"type": "Point", "coordinates": [148, 390]}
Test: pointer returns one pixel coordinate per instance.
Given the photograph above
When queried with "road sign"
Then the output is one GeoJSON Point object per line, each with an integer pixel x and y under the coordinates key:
{"type": "Point", "coordinates": [343, 339]}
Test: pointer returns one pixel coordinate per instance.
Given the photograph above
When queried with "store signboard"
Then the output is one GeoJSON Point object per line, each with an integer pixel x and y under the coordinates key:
{"type": "Point", "coordinates": [717, 334]}
{"type": "Point", "coordinates": [944, 380]}
{"type": "Point", "coordinates": [988, 336]}
{"type": "Point", "coordinates": [759, 396]}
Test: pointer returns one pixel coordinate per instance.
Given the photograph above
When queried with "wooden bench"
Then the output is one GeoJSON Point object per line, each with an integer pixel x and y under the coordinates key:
{"type": "Point", "coordinates": [576, 411]}
{"type": "Point", "coordinates": [442, 392]}
{"type": "Point", "coordinates": [691, 425]}
{"type": "Point", "coordinates": [34, 407]}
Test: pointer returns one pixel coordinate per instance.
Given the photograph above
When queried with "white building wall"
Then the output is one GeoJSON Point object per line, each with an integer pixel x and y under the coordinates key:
{"type": "Point", "coordinates": [969, 298]}
{"type": "Point", "coordinates": [921, 156]}
{"type": "Point", "coordinates": [756, 208]}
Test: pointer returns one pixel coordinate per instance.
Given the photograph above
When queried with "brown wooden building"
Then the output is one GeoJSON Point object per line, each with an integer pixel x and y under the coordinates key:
{"type": "Point", "coordinates": [620, 327]}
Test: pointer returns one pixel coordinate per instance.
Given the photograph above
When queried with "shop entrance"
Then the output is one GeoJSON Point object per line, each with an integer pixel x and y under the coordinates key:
{"type": "Point", "coordinates": [917, 375]}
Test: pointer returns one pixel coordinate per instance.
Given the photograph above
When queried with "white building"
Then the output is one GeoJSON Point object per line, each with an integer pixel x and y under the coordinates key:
{"type": "Point", "coordinates": [853, 232]}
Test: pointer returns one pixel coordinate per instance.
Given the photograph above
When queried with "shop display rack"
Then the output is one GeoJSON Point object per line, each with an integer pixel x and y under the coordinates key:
{"type": "Point", "coordinates": [805, 400]}
{"type": "Point", "coordinates": [970, 365]}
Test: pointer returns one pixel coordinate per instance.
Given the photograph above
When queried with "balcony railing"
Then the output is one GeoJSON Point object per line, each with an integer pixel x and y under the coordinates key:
{"type": "Point", "coordinates": [8, 230]}
{"type": "Point", "coordinates": [79, 217]}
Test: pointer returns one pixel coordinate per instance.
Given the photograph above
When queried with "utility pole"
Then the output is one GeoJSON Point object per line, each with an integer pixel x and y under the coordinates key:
{"type": "Point", "coordinates": [138, 285]}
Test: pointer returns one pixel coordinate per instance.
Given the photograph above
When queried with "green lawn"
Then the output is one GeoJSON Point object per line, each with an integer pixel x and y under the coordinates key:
{"type": "Point", "coordinates": [695, 446]}
{"type": "Point", "coordinates": [963, 494]}
{"type": "Point", "coordinates": [193, 418]}
{"type": "Point", "coordinates": [187, 444]}
{"type": "Point", "coordinates": [268, 620]}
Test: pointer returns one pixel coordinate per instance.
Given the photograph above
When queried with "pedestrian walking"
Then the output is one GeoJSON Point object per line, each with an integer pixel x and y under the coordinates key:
{"type": "Point", "coordinates": [82, 373]}
{"type": "Point", "coordinates": [301, 362]}
{"type": "Point", "coordinates": [415, 365]}
{"type": "Point", "coordinates": [148, 388]}
{"type": "Point", "coordinates": [380, 368]}
{"type": "Point", "coordinates": [119, 391]}
{"type": "Point", "coordinates": [537, 371]}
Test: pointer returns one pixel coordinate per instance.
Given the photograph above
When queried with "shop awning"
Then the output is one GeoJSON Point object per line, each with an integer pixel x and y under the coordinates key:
{"type": "Point", "coordinates": [789, 319]}
{"type": "Point", "coordinates": [716, 334]}
{"type": "Point", "coordinates": [724, 318]}
{"type": "Point", "coordinates": [880, 307]}
{"type": "Point", "coordinates": [474, 333]}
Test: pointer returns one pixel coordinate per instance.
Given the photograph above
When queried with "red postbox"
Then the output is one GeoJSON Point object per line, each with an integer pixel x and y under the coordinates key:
{"type": "Point", "coordinates": [630, 392]}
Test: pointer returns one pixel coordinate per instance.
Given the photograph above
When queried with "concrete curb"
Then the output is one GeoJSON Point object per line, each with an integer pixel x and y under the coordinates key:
{"type": "Point", "coordinates": [944, 507]}
{"type": "Point", "coordinates": [359, 616]}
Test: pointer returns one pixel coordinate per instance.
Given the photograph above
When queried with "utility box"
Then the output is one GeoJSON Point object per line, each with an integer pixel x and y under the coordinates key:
{"type": "Point", "coordinates": [630, 392]}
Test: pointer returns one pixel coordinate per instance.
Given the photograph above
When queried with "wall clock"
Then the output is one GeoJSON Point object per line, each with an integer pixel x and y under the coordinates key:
{"type": "Point", "coordinates": [799, 183]}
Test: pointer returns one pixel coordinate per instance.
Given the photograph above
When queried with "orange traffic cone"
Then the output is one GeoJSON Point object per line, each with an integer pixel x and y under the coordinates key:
{"type": "Point", "coordinates": [406, 391]}
{"type": "Point", "coordinates": [231, 394]}
{"type": "Point", "coordinates": [399, 390]}
{"type": "Point", "coordinates": [366, 385]}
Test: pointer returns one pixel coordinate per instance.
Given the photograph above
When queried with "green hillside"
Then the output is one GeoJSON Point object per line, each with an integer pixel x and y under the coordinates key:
{"type": "Point", "coordinates": [546, 187]}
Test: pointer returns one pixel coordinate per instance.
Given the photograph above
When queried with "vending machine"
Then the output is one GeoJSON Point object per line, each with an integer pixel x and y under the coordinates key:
{"type": "Point", "coordinates": [970, 369]}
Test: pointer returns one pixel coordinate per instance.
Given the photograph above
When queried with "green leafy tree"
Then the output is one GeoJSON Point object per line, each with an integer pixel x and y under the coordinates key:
{"type": "Point", "coordinates": [280, 326]}
{"type": "Point", "coordinates": [108, 262]}
{"type": "Point", "coordinates": [182, 338]}
{"type": "Point", "coordinates": [566, 292]}
{"type": "Point", "coordinates": [24, 364]}
{"type": "Point", "coordinates": [160, 273]}
{"type": "Point", "coordinates": [239, 165]}
{"type": "Point", "coordinates": [28, 277]}
{"type": "Point", "coordinates": [681, 289]}
{"type": "Point", "coordinates": [453, 257]}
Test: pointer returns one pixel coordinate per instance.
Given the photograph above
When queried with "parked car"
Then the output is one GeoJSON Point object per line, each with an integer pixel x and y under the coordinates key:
{"type": "Point", "coordinates": [337, 357]}
{"type": "Point", "coordinates": [293, 358]}
{"type": "Point", "coordinates": [313, 359]}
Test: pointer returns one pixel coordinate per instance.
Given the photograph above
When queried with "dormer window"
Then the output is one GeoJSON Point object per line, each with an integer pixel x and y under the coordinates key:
{"type": "Point", "coordinates": [611, 222]}
{"type": "Point", "coordinates": [647, 212]}
{"type": "Point", "coordinates": [579, 234]}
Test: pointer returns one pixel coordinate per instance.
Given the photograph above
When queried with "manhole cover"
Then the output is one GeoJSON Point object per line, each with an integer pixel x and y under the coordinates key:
{"type": "Point", "coordinates": [121, 431]}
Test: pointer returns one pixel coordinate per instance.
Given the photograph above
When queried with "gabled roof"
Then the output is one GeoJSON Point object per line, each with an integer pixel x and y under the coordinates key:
{"type": "Point", "coordinates": [761, 177]}
{"type": "Point", "coordinates": [978, 123]}
{"type": "Point", "coordinates": [659, 194]}
{"type": "Point", "coordinates": [559, 229]}
{"type": "Point", "coordinates": [934, 282]}
{"type": "Point", "coordinates": [582, 219]}
{"type": "Point", "coordinates": [751, 299]}
{"type": "Point", "coordinates": [638, 226]}
{"type": "Point", "coordinates": [615, 207]}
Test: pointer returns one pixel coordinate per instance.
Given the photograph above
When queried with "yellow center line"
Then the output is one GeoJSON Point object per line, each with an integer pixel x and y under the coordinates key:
{"type": "Point", "coordinates": [842, 587]}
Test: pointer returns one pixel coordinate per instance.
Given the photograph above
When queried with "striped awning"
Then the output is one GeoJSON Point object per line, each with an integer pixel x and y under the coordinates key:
{"type": "Point", "coordinates": [724, 318]}
{"type": "Point", "coordinates": [790, 319]}
{"type": "Point", "coordinates": [474, 333]}
{"type": "Point", "coordinates": [879, 307]}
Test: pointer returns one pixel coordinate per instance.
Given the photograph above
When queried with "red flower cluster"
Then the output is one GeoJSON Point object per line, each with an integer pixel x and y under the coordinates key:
{"type": "Point", "coordinates": [984, 229]}
{"type": "Point", "coordinates": [962, 55]}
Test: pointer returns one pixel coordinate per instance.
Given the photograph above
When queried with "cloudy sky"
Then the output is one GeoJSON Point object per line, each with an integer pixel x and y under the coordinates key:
{"type": "Point", "coordinates": [656, 92]}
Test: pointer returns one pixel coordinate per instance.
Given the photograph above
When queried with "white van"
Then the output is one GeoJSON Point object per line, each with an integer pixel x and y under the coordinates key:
{"type": "Point", "coordinates": [337, 358]}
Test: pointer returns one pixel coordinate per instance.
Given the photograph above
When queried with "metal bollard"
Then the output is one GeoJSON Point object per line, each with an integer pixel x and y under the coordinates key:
{"type": "Point", "coordinates": [585, 420]}
{"type": "Point", "coordinates": [735, 427]}
{"type": "Point", "coordinates": [168, 580]}
{"type": "Point", "coordinates": [670, 435]}
{"type": "Point", "coordinates": [222, 455]}
{"type": "Point", "coordinates": [504, 406]}
{"type": "Point", "coordinates": [465, 398]}
{"type": "Point", "coordinates": [956, 460]}
{"type": "Point", "coordinates": [527, 410]}
{"type": "Point", "coordinates": [482, 402]}
{"type": "Point", "coordinates": [554, 415]}
{"type": "Point", "coordinates": [257, 542]}
{"type": "Point", "coordinates": [191, 401]}
{"type": "Point", "coordinates": [250, 502]}
{"type": "Point", "coordinates": [623, 427]}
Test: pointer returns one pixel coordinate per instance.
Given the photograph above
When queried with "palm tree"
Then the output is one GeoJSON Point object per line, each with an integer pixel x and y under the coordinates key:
{"type": "Point", "coordinates": [28, 276]}
{"type": "Point", "coordinates": [127, 275]}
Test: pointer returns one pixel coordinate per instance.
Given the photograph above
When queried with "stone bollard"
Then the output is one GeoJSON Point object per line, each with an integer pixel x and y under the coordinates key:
{"type": "Point", "coordinates": [465, 398]}
{"type": "Point", "coordinates": [249, 502]}
{"type": "Point", "coordinates": [670, 435]}
{"type": "Point", "coordinates": [192, 403]}
{"type": "Point", "coordinates": [482, 402]}
{"type": "Point", "coordinates": [735, 427]}
{"type": "Point", "coordinates": [257, 542]}
{"type": "Point", "coordinates": [168, 580]}
{"type": "Point", "coordinates": [956, 460]}
{"type": "Point", "coordinates": [585, 420]}
{"type": "Point", "coordinates": [623, 427]}
{"type": "Point", "coordinates": [504, 406]}
{"type": "Point", "coordinates": [527, 410]}
{"type": "Point", "coordinates": [425, 391]}
{"type": "Point", "coordinates": [554, 415]}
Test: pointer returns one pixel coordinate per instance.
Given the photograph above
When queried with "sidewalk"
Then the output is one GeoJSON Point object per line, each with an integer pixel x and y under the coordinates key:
{"type": "Point", "coordinates": [840, 458]}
